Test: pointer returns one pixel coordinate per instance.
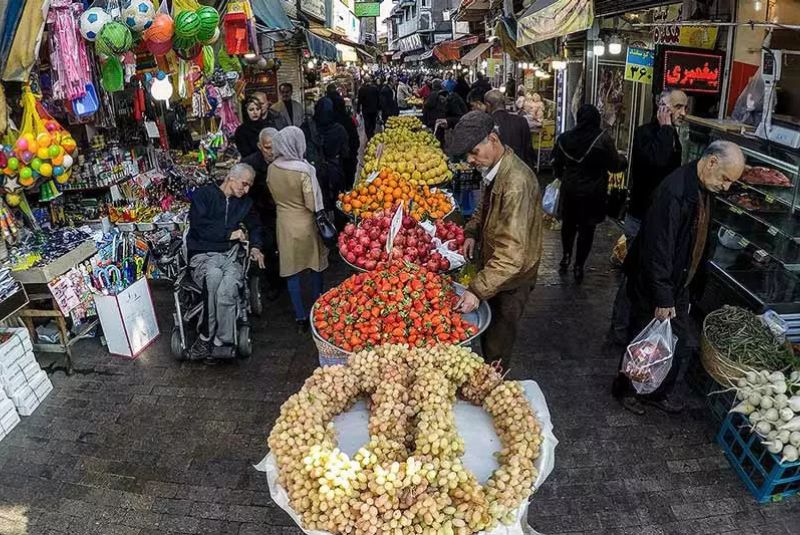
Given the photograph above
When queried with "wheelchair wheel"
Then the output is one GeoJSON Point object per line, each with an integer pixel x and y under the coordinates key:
{"type": "Point", "coordinates": [256, 306]}
{"type": "Point", "coordinates": [244, 346]}
{"type": "Point", "coordinates": [175, 346]}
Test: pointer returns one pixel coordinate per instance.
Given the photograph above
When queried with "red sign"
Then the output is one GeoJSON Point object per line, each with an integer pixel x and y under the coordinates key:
{"type": "Point", "coordinates": [692, 72]}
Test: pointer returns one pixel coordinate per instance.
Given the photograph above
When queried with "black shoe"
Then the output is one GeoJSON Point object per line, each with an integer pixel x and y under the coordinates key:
{"type": "Point", "coordinates": [563, 266]}
{"type": "Point", "coordinates": [664, 405]}
{"type": "Point", "coordinates": [577, 271]}
{"type": "Point", "coordinates": [632, 404]}
{"type": "Point", "coordinates": [201, 349]}
{"type": "Point", "coordinates": [302, 326]}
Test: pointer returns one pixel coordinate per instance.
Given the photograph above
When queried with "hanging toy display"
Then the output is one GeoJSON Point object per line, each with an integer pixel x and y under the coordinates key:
{"type": "Point", "coordinates": [43, 150]}
{"type": "Point", "coordinates": [161, 30]}
{"type": "Point", "coordinates": [236, 28]}
{"type": "Point", "coordinates": [112, 75]}
{"type": "Point", "coordinates": [114, 38]}
{"type": "Point", "coordinates": [138, 15]}
{"type": "Point", "coordinates": [208, 18]}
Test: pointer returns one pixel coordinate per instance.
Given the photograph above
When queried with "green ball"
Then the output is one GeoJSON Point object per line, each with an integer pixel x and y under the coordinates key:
{"type": "Point", "coordinates": [112, 75]}
{"type": "Point", "coordinates": [182, 43]}
{"type": "Point", "coordinates": [187, 24]}
{"type": "Point", "coordinates": [25, 172]}
{"type": "Point", "coordinates": [209, 20]}
{"type": "Point", "coordinates": [13, 163]}
{"type": "Point", "coordinates": [115, 37]}
{"type": "Point", "coordinates": [53, 150]}
{"type": "Point", "coordinates": [36, 163]}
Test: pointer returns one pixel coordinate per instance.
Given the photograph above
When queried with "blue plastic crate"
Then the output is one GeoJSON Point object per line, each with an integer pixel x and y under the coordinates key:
{"type": "Point", "coordinates": [761, 471]}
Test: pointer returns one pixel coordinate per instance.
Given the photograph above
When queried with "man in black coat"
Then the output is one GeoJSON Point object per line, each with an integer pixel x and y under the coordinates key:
{"type": "Point", "coordinates": [670, 249]}
{"type": "Point", "coordinates": [656, 153]}
{"type": "Point", "coordinates": [388, 99]}
{"type": "Point", "coordinates": [482, 83]}
{"type": "Point", "coordinates": [368, 105]}
{"type": "Point", "coordinates": [514, 130]}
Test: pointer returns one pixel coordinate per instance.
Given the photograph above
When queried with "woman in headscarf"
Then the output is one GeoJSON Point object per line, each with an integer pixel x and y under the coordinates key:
{"type": "Point", "coordinates": [246, 135]}
{"type": "Point", "coordinates": [350, 162]}
{"type": "Point", "coordinates": [582, 159]}
{"type": "Point", "coordinates": [327, 148]}
{"type": "Point", "coordinates": [292, 180]}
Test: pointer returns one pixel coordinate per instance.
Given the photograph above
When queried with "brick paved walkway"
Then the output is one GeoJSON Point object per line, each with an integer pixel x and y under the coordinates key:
{"type": "Point", "coordinates": [154, 446]}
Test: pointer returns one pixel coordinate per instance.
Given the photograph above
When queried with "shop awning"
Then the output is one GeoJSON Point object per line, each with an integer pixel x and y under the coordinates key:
{"type": "Point", "coordinates": [321, 47]}
{"type": "Point", "coordinates": [348, 52]}
{"type": "Point", "coordinates": [411, 57]}
{"type": "Point", "coordinates": [472, 10]}
{"type": "Point", "coordinates": [397, 55]}
{"type": "Point", "coordinates": [475, 53]}
{"type": "Point", "coordinates": [426, 55]}
{"type": "Point", "coordinates": [546, 19]}
{"type": "Point", "coordinates": [506, 31]}
{"type": "Point", "coordinates": [271, 13]}
{"type": "Point", "coordinates": [451, 50]}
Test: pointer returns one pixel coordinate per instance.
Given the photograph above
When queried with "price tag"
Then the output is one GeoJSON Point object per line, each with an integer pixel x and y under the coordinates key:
{"type": "Point", "coordinates": [394, 228]}
{"type": "Point", "coordinates": [379, 152]}
{"type": "Point", "coordinates": [372, 176]}
{"type": "Point", "coordinates": [737, 210]}
{"type": "Point", "coordinates": [772, 231]}
{"type": "Point", "coordinates": [769, 199]}
{"type": "Point", "coordinates": [743, 242]}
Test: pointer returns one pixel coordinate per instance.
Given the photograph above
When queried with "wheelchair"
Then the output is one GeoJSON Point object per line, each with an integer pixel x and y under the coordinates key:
{"type": "Point", "coordinates": [190, 305]}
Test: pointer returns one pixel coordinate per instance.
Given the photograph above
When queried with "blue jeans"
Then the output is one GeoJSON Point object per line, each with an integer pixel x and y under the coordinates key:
{"type": "Point", "coordinates": [296, 292]}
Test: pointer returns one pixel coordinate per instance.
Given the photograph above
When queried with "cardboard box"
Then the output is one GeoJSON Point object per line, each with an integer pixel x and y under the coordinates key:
{"type": "Point", "coordinates": [28, 398]}
{"type": "Point", "coordinates": [23, 371]}
{"type": "Point", "coordinates": [8, 417]}
{"type": "Point", "coordinates": [59, 266]}
{"type": "Point", "coordinates": [128, 319]}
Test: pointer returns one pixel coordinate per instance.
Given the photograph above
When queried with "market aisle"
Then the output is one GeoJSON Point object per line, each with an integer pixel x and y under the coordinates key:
{"type": "Point", "coordinates": [153, 446]}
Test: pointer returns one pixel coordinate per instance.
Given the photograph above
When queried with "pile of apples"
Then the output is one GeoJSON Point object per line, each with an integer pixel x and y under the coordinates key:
{"type": "Point", "coordinates": [364, 246]}
{"type": "Point", "coordinates": [451, 234]}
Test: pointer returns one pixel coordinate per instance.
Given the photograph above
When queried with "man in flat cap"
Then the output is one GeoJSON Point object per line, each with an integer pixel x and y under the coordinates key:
{"type": "Point", "coordinates": [508, 227]}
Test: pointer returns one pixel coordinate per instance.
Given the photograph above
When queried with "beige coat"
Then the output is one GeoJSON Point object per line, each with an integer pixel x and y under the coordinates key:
{"type": "Point", "coordinates": [299, 244]}
{"type": "Point", "coordinates": [509, 230]}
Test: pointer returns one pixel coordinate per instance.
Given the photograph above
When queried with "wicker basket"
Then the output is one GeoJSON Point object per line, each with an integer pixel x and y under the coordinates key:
{"type": "Point", "coordinates": [718, 366]}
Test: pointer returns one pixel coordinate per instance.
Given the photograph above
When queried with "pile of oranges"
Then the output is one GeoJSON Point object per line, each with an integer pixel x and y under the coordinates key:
{"type": "Point", "coordinates": [390, 189]}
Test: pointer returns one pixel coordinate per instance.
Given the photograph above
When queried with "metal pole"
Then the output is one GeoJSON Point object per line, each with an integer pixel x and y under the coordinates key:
{"type": "Point", "coordinates": [751, 23]}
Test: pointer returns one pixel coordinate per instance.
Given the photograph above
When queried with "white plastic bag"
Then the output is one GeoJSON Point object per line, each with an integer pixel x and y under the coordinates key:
{"type": "Point", "coordinates": [550, 197]}
{"type": "Point", "coordinates": [648, 358]}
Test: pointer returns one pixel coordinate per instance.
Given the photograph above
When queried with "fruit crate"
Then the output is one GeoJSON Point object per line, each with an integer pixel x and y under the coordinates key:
{"type": "Point", "coordinates": [761, 471]}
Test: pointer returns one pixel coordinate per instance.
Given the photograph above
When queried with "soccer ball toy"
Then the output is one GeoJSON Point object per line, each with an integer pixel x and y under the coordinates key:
{"type": "Point", "coordinates": [92, 21]}
{"type": "Point", "coordinates": [138, 15]}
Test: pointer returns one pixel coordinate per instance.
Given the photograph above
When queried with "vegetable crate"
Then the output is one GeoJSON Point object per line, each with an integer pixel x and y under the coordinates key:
{"type": "Point", "coordinates": [763, 474]}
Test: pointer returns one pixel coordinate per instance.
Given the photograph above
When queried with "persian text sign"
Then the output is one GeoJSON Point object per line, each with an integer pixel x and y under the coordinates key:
{"type": "Point", "coordinates": [639, 65]}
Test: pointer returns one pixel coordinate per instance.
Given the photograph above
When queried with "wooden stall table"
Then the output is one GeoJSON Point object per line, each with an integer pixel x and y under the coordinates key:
{"type": "Point", "coordinates": [43, 304]}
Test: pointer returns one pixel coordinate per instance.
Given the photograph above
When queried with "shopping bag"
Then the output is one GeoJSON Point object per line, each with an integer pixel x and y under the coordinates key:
{"type": "Point", "coordinates": [648, 357]}
{"type": "Point", "coordinates": [550, 197]}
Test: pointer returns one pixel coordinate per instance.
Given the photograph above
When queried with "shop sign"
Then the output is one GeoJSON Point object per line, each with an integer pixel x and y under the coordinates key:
{"type": "Point", "coordinates": [639, 65]}
{"type": "Point", "coordinates": [698, 36]}
{"type": "Point", "coordinates": [315, 8]}
{"type": "Point", "coordinates": [367, 9]}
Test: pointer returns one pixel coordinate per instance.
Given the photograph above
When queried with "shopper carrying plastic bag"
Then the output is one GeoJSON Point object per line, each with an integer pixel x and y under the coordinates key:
{"type": "Point", "coordinates": [648, 358]}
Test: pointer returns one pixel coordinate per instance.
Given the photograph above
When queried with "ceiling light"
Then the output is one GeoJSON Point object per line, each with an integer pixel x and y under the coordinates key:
{"type": "Point", "coordinates": [599, 48]}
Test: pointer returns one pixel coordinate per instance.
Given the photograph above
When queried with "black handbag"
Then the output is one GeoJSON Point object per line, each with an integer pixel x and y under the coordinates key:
{"type": "Point", "coordinates": [326, 228]}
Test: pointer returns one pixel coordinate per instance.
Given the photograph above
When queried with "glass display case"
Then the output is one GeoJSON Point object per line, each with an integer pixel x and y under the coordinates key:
{"type": "Point", "coordinates": [755, 229]}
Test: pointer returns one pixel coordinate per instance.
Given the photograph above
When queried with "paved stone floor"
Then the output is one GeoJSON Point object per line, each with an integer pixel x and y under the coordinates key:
{"type": "Point", "coordinates": [153, 446]}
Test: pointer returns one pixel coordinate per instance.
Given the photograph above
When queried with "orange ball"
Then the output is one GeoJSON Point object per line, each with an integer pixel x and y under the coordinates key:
{"type": "Point", "coordinates": [57, 160]}
{"type": "Point", "coordinates": [161, 30]}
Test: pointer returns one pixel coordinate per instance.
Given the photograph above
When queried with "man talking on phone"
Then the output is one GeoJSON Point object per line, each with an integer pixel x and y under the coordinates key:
{"type": "Point", "coordinates": [508, 227]}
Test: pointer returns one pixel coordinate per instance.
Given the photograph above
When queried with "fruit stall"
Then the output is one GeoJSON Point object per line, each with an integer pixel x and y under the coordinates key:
{"type": "Point", "coordinates": [405, 439]}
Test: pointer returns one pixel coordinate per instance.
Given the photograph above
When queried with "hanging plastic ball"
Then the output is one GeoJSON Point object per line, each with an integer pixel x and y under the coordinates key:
{"type": "Point", "coordinates": [138, 15]}
{"type": "Point", "coordinates": [69, 144]}
{"type": "Point", "coordinates": [27, 156]}
{"type": "Point", "coordinates": [53, 150]}
{"type": "Point", "coordinates": [162, 29]}
{"type": "Point", "coordinates": [13, 163]}
{"type": "Point", "coordinates": [36, 163]}
{"type": "Point", "coordinates": [3, 159]}
{"type": "Point", "coordinates": [159, 48]}
{"type": "Point", "coordinates": [29, 137]}
{"type": "Point", "coordinates": [44, 139]}
{"type": "Point", "coordinates": [92, 21]}
{"type": "Point", "coordinates": [25, 173]}
{"type": "Point", "coordinates": [58, 170]}
{"type": "Point", "coordinates": [21, 144]}
{"type": "Point", "coordinates": [43, 153]}
{"type": "Point", "coordinates": [52, 126]}
{"type": "Point", "coordinates": [214, 38]}
{"type": "Point", "coordinates": [68, 161]}
{"type": "Point", "coordinates": [187, 24]}
{"type": "Point", "coordinates": [27, 181]}
{"type": "Point", "coordinates": [209, 19]}
{"type": "Point", "coordinates": [13, 199]}
{"type": "Point", "coordinates": [46, 169]}
{"type": "Point", "coordinates": [57, 160]}
{"type": "Point", "coordinates": [33, 146]}
{"type": "Point", "coordinates": [115, 37]}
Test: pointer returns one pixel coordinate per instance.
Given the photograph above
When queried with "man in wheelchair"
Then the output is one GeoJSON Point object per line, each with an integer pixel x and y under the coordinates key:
{"type": "Point", "coordinates": [215, 218]}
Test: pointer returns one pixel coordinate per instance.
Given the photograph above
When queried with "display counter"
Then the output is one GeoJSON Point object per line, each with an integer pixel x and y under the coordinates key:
{"type": "Point", "coordinates": [755, 231]}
